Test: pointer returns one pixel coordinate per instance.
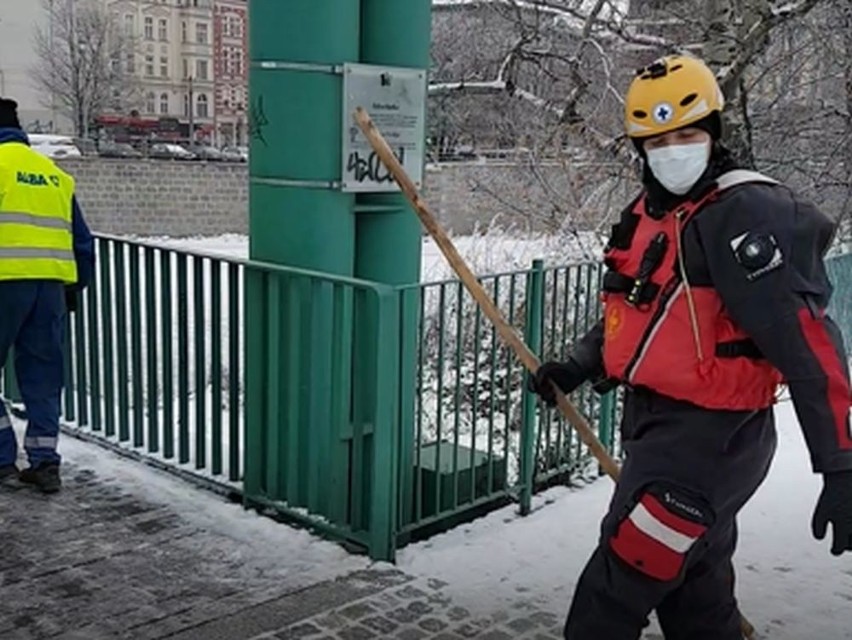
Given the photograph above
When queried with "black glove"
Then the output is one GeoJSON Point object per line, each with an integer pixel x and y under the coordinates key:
{"type": "Point", "coordinates": [835, 506]}
{"type": "Point", "coordinates": [567, 375]}
{"type": "Point", "coordinates": [70, 300]}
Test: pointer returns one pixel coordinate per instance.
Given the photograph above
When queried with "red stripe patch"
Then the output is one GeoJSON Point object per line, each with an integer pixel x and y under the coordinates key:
{"type": "Point", "coordinates": [646, 554]}
{"type": "Point", "coordinates": [681, 525]}
{"type": "Point", "coordinates": [839, 395]}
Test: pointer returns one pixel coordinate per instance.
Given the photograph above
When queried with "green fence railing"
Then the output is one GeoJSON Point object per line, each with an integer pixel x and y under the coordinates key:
{"type": "Point", "coordinates": [840, 309]}
{"type": "Point", "coordinates": [155, 357]}
{"type": "Point", "coordinates": [156, 369]}
{"type": "Point", "coordinates": [321, 419]}
{"type": "Point", "coordinates": [479, 437]}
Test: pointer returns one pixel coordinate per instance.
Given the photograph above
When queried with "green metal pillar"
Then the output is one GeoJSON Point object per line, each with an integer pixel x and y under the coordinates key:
{"type": "Point", "coordinates": [298, 217]}
{"type": "Point", "coordinates": [529, 417]}
{"type": "Point", "coordinates": [388, 233]}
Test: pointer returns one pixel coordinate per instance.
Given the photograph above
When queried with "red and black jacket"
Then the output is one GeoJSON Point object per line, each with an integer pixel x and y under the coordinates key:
{"type": "Point", "coordinates": [752, 257]}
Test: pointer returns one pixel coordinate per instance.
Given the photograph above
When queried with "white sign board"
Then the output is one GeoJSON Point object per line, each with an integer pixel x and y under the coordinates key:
{"type": "Point", "coordinates": [395, 99]}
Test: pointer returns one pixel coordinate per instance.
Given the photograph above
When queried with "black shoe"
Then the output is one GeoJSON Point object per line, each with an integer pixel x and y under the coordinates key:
{"type": "Point", "coordinates": [8, 475]}
{"type": "Point", "coordinates": [45, 476]}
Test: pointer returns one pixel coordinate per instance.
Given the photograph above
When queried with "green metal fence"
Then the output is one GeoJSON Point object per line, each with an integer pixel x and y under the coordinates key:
{"type": "Point", "coordinates": [479, 438]}
{"type": "Point", "coordinates": [321, 432]}
{"type": "Point", "coordinates": [156, 357]}
{"type": "Point", "coordinates": [840, 273]}
{"type": "Point", "coordinates": [156, 368]}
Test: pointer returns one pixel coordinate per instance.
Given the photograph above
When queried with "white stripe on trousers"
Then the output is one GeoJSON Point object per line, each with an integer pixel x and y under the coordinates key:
{"type": "Point", "coordinates": [41, 442]}
{"type": "Point", "coordinates": [659, 531]}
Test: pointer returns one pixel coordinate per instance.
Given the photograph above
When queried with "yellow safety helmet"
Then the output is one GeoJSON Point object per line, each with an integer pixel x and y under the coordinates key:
{"type": "Point", "coordinates": [670, 93]}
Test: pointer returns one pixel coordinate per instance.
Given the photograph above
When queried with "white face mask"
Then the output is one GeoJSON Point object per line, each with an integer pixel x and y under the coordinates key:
{"type": "Point", "coordinates": [679, 167]}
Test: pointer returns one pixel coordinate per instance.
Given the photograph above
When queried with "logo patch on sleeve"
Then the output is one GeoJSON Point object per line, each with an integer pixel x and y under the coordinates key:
{"type": "Point", "coordinates": [758, 253]}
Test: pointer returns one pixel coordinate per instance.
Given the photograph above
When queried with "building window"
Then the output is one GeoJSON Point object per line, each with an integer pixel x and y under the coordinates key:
{"type": "Point", "coordinates": [149, 103]}
{"type": "Point", "coordinates": [129, 25]}
{"type": "Point", "coordinates": [149, 28]}
{"type": "Point", "coordinates": [238, 62]}
{"type": "Point", "coordinates": [163, 30]}
{"type": "Point", "coordinates": [164, 67]}
{"type": "Point", "coordinates": [201, 69]}
{"type": "Point", "coordinates": [185, 68]}
{"type": "Point", "coordinates": [201, 33]}
{"type": "Point", "coordinates": [164, 104]}
{"type": "Point", "coordinates": [149, 65]}
{"type": "Point", "coordinates": [130, 63]}
{"type": "Point", "coordinates": [233, 27]}
{"type": "Point", "coordinates": [184, 32]}
{"type": "Point", "coordinates": [201, 106]}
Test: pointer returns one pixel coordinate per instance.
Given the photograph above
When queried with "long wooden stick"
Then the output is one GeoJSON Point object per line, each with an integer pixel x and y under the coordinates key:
{"type": "Point", "coordinates": [507, 332]}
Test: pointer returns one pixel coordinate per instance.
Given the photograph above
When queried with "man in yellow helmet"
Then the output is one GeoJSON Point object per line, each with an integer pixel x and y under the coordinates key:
{"type": "Point", "coordinates": [46, 251]}
{"type": "Point", "coordinates": [715, 294]}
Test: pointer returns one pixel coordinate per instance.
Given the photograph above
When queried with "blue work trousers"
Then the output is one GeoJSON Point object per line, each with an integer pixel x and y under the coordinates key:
{"type": "Point", "coordinates": [32, 319]}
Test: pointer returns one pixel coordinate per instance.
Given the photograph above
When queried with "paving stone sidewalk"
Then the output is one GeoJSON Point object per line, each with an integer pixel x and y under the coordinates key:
{"type": "Point", "coordinates": [420, 609]}
{"type": "Point", "coordinates": [108, 558]}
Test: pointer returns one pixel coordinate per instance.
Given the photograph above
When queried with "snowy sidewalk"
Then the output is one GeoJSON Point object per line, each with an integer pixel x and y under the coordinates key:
{"type": "Point", "coordinates": [126, 551]}
{"type": "Point", "coordinates": [789, 585]}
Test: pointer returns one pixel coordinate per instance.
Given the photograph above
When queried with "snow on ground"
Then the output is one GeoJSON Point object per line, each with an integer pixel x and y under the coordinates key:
{"type": "Point", "coordinates": [789, 585]}
{"type": "Point", "coordinates": [492, 252]}
{"type": "Point", "coordinates": [230, 245]}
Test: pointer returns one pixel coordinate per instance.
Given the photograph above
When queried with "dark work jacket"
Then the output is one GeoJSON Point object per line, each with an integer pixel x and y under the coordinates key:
{"type": "Point", "coordinates": [781, 310]}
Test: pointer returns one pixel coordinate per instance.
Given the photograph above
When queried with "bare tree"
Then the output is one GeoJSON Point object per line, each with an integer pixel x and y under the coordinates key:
{"type": "Point", "coordinates": [738, 35]}
{"type": "Point", "coordinates": [546, 76]}
{"type": "Point", "coordinates": [83, 61]}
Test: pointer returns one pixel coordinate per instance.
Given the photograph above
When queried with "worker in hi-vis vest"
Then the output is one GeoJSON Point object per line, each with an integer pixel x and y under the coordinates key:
{"type": "Point", "coordinates": [46, 254]}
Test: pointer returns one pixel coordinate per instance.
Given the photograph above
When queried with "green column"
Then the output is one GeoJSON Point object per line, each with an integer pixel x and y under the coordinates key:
{"type": "Point", "coordinates": [298, 217]}
{"type": "Point", "coordinates": [388, 233]}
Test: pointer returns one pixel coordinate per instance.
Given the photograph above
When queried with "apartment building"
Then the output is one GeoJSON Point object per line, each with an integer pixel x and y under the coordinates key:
{"type": "Point", "coordinates": [172, 62]}
{"type": "Point", "coordinates": [230, 70]}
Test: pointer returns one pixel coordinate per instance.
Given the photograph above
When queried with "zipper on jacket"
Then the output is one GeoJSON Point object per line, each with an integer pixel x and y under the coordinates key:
{"type": "Point", "coordinates": [667, 292]}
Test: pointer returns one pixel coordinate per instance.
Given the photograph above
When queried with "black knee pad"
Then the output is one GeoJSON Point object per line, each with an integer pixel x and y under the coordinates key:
{"type": "Point", "coordinates": [662, 525]}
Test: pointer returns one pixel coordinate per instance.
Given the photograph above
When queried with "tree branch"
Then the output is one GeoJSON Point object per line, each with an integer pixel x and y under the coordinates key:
{"type": "Point", "coordinates": [755, 41]}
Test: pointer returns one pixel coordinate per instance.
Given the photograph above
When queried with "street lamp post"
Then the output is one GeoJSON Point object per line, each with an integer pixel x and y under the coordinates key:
{"type": "Point", "coordinates": [191, 106]}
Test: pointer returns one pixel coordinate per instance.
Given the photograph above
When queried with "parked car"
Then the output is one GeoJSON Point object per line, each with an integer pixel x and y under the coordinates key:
{"type": "Point", "coordinates": [168, 151]}
{"type": "Point", "coordinates": [54, 146]}
{"type": "Point", "coordinates": [118, 150]}
{"type": "Point", "coordinates": [87, 146]}
{"type": "Point", "coordinates": [204, 152]}
{"type": "Point", "coordinates": [235, 154]}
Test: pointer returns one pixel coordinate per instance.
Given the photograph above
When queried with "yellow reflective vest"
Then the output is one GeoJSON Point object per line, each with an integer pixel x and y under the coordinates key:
{"type": "Point", "coordinates": [36, 240]}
